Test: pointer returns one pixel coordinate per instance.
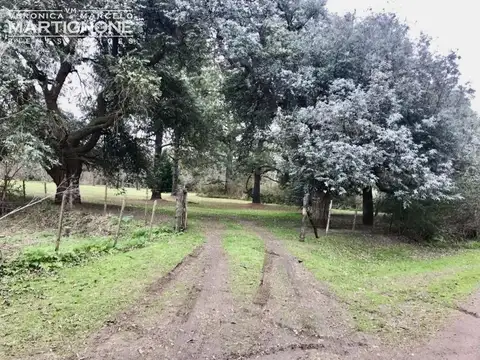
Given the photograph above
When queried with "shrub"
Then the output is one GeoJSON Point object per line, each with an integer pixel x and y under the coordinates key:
{"type": "Point", "coordinates": [439, 220]}
{"type": "Point", "coordinates": [274, 196]}
{"type": "Point", "coordinates": [217, 190]}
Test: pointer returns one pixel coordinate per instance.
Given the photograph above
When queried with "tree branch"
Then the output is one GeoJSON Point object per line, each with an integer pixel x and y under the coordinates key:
{"type": "Point", "coordinates": [269, 178]}
{"type": "Point", "coordinates": [39, 75]}
{"type": "Point", "coordinates": [95, 125]}
{"type": "Point", "coordinates": [157, 57]}
{"type": "Point", "coordinates": [65, 69]}
{"type": "Point", "coordinates": [90, 144]}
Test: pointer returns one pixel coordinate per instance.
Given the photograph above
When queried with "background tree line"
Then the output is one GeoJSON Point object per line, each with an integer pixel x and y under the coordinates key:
{"type": "Point", "coordinates": [231, 95]}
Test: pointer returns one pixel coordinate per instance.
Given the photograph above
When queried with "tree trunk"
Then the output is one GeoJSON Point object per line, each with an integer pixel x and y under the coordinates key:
{"type": "Point", "coordinates": [228, 171]}
{"type": "Point", "coordinates": [176, 170]}
{"type": "Point", "coordinates": [65, 174]}
{"type": "Point", "coordinates": [156, 194]}
{"type": "Point", "coordinates": [257, 177]}
{"type": "Point", "coordinates": [320, 204]}
{"type": "Point", "coordinates": [156, 176]}
{"type": "Point", "coordinates": [368, 206]}
{"type": "Point", "coordinates": [181, 210]}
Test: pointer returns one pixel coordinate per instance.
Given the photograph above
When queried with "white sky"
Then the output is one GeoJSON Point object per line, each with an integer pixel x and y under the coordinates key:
{"type": "Point", "coordinates": [452, 25]}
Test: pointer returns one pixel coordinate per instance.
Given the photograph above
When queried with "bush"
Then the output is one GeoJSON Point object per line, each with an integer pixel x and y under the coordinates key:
{"type": "Point", "coordinates": [42, 260]}
{"type": "Point", "coordinates": [274, 195]}
{"type": "Point", "coordinates": [217, 190]}
{"type": "Point", "coordinates": [439, 221]}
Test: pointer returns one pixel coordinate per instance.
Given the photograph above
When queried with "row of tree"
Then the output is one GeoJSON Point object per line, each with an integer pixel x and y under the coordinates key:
{"type": "Point", "coordinates": [328, 105]}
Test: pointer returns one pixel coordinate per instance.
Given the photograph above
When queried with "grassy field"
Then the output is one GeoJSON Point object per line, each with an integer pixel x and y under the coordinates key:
{"type": "Point", "coordinates": [96, 193]}
{"type": "Point", "coordinates": [198, 205]}
{"type": "Point", "coordinates": [245, 254]}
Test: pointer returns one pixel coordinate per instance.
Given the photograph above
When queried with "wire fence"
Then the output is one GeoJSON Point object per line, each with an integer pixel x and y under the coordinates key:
{"type": "Point", "coordinates": [139, 205]}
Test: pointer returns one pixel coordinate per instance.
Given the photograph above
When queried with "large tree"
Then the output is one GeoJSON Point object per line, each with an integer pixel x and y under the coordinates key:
{"type": "Point", "coordinates": [125, 79]}
{"type": "Point", "coordinates": [380, 116]}
{"type": "Point", "coordinates": [258, 43]}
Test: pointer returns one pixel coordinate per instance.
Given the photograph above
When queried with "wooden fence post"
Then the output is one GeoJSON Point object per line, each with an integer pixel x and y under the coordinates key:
{"type": "Point", "coordinates": [146, 206]}
{"type": "Point", "coordinates": [328, 219]}
{"type": "Point", "coordinates": [119, 223]}
{"type": "Point", "coordinates": [185, 213]}
{"type": "Point", "coordinates": [304, 216]}
{"type": "Point", "coordinates": [354, 218]}
{"type": "Point", "coordinates": [151, 220]}
{"type": "Point", "coordinates": [45, 187]}
{"type": "Point", "coordinates": [24, 191]}
{"type": "Point", "coordinates": [105, 200]}
{"type": "Point", "coordinates": [70, 194]}
{"type": "Point", "coordinates": [60, 222]}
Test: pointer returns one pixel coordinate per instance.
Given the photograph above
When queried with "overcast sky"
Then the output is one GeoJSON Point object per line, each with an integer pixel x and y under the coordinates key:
{"type": "Point", "coordinates": [453, 25]}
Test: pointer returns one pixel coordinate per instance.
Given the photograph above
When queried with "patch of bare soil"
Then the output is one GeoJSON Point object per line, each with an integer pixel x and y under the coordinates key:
{"type": "Point", "coordinates": [459, 340]}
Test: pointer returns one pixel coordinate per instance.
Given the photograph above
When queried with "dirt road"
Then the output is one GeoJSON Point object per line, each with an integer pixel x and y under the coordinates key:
{"type": "Point", "coordinates": [191, 314]}
{"type": "Point", "coordinates": [460, 338]}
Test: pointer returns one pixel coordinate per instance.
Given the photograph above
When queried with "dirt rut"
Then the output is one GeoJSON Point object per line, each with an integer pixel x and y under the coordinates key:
{"type": "Point", "coordinates": [180, 315]}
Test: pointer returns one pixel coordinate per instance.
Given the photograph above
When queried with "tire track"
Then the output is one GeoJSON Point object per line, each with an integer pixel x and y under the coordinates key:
{"type": "Point", "coordinates": [171, 322]}
{"type": "Point", "coordinates": [201, 335]}
{"type": "Point", "coordinates": [190, 314]}
{"type": "Point", "coordinates": [299, 310]}
{"type": "Point", "coordinates": [263, 292]}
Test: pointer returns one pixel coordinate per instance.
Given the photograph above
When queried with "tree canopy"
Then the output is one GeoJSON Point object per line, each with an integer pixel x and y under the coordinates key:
{"type": "Point", "coordinates": [334, 105]}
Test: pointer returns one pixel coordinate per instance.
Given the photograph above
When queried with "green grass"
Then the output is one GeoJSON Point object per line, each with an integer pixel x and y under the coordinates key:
{"type": "Point", "coordinates": [199, 205]}
{"type": "Point", "coordinates": [49, 312]}
{"type": "Point", "coordinates": [96, 193]}
{"type": "Point", "coordinates": [396, 289]}
{"type": "Point", "coordinates": [245, 253]}
{"type": "Point", "coordinates": [91, 193]}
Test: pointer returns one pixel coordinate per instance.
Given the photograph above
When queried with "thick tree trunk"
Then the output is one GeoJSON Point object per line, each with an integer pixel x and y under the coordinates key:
{"type": "Point", "coordinates": [175, 170]}
{"type": "Point", "coordinates": [320, 204]}
{"type": "Point", "coordinates": [368, 206]}
{"type": "Point", "coordinates": [156, 194]}
{"type": "Point", "coordinates": [181, 210]}
{"type": "Point", "coordinates": [175, 176]}
{"type": "Point", "coordinates": [157, 178]}
{"type": "Point", "coordinates": [257, 177]}
{"type": "Point", "coordinates": [66, 176]}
